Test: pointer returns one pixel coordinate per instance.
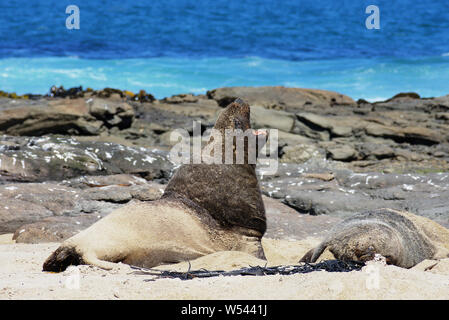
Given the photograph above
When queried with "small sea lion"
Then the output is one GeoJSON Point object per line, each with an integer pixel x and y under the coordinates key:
{"type": "Point", "coordinates": [205, 208]}
{"type": "Point", "coordinates": [403, 238]}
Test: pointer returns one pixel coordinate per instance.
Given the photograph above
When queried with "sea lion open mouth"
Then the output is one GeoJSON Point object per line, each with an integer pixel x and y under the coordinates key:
{"type": "Point", "coordinates": [260, 132]}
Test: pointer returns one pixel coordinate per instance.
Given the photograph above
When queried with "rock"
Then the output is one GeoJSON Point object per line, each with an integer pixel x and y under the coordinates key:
{"type": "Point", "coordinates": [37, 210]}
{"type": "Point", "coordinates": [375, 151]}
{"type": "Point", "coordinates": [15, 213]}
{"type": "Point", "coordinates": [75, 92]}
{"type": "Point", "coordinates": [164, 117]}
{"type": "Point", "coordinates": [146, 194]}
{"type": "Point", "coordinates": [54, 229]}
{"type": "Point", "coordinates": [312, 132]}
{"type": "Point", "coordinates": [27, 203]}
{"type": "Point", "coordinates": [336, 127]}
{"type": "Point", "coordinates": [181, 98]}
{"type": "Point", "coordinates": [56, 158]}
{"type": "Point", "coordinates": [86, 182]}
{"type": "Point", "coordinates": [303, 187]}
{"type": "Point", "coordinates": [112, 113]}
{"type": "Point", "coordinates": [412, 135]}
{"type": "Point", "coordinates": [285, 138]}
{"type": "Point", "coordinates": [321, 176]}
{"type": "Point", "coordinates": [442, 115]}
{"type": "Point", "coordinates": [108, 93]}
{"type": "Point", "coordinates": [408, 155]}
{"type": "Point", "coordinates": [59, 200]}
{"type": "Point", "coordinates": [300, 153]}
{"type": "Point", "coordinates": [439, 154]}
{"type": "Point", "coordinates": [412, 104]}
{"type": "Point", "coordinates": [123, 186]}
{"type": "Point", "coordinates": [409, 95]}
{"type": "Point", "coordinates": [114, 194]}
{"type": "Point", "coordinates": [70, 117]}
{"type": "Point", "coordinates": [284, 222]}
{"type": "Point", "coordinates": [282, 98]}
{"type": "Point", "coordinates": [342, 152]}
{"type": "Point", "coordinates": [262, 118]}
{"type": "Point", "coordinates": [406, 123]}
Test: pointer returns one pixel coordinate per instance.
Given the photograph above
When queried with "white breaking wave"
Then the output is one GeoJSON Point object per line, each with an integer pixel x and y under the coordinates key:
{"type": "Point", "coordinates": [371, 79]}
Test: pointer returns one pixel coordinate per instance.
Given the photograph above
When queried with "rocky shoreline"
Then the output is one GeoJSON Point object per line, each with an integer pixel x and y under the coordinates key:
{"type": "Point", "coordinates": [72, 156]}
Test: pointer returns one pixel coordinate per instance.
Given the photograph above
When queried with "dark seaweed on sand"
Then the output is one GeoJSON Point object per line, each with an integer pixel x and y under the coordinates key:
{"type": "Point", "coordinates": [328, 265]}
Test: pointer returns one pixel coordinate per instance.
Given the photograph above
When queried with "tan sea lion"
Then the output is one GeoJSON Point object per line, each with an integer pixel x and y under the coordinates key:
{"type": "Point", "coordinates": [205, 208]}
{"type": "Point", "coordinates": [403, 238]}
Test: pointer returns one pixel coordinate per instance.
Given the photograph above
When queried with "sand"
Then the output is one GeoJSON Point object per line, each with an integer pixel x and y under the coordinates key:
{"type": "Point", "coordinates": [21, 278]}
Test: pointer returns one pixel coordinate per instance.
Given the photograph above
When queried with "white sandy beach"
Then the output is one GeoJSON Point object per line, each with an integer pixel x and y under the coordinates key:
{"type": "Point", "coordinates": [21, 278]}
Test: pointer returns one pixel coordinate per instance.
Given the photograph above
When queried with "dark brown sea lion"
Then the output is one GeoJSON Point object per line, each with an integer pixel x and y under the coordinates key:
{"type": "Point", "coordinates": [230, 193]}
{"type": "Point", "coordinates": [403, 238]}
{"type": "Point", "coordinates": [205, 208]}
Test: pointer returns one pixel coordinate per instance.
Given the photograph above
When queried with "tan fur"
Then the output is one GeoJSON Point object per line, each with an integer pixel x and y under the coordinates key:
{"type": "Point", "coordinates": [176, 234]}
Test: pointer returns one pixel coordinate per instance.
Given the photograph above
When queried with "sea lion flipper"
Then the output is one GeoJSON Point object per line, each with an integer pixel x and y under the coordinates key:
{"type": "Point", "coordinates": [102, 264]}
{"type": "Point", "coordinates": [308, 256]}
{"type": "Point", "coordinates": [313, 254]}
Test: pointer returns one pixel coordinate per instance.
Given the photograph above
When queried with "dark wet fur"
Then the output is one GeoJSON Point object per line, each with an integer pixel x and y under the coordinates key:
{"type": "Point", "coordinates": [414, 246]}
{"type": "Point", "coordinates": [229, 192]}
{"type": "Point", "coordinates": [61, 259]}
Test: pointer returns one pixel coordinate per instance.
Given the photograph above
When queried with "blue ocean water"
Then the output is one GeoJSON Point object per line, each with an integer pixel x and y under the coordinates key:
{"type": "Point", "coordinates": [176, 46]}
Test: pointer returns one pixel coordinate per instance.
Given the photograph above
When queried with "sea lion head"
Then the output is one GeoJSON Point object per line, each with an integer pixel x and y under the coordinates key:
{"type": "Point", "coordinates": [361, 242]}
{"type": "Point", "coordinates": [230, 193]}
{"type": "Point", "coordinates": [235, 116]}
{"type": "Point", "coordinates": [234, 123]}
